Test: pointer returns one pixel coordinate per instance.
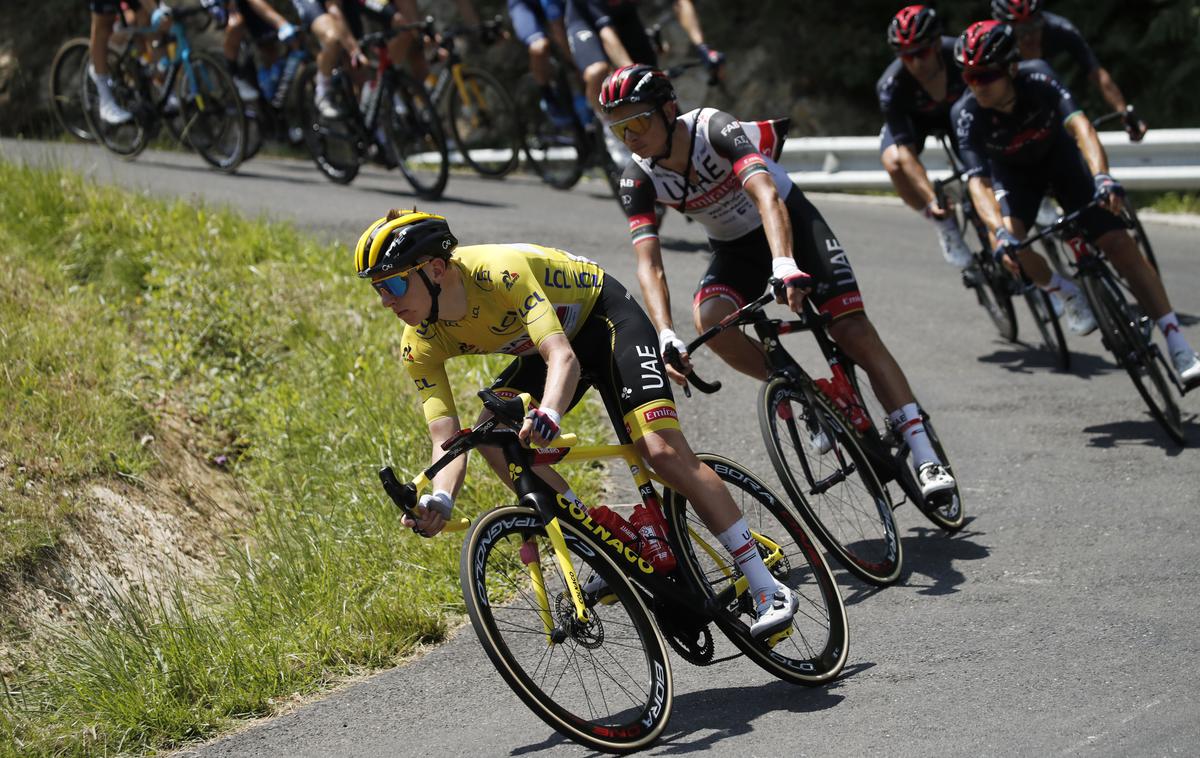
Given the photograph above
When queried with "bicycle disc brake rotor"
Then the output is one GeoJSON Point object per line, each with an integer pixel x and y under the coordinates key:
{"type": "Point", "coordinates": [590, 634]}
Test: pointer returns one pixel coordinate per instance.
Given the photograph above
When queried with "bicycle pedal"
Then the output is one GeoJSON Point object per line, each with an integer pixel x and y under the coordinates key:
{"type": "Point", "coordinates": [778, 637]}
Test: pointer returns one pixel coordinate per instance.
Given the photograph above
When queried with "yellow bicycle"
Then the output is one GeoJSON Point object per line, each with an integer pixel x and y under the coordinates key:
{"type": "Point", "coordinates": [575, 618]}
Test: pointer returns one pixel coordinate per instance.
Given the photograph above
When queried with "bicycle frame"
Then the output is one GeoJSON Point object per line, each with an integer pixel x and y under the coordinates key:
{"type": "Point", "coordinates": [179, 58]}
{"type": "Point", "coordinates": [673, 589]}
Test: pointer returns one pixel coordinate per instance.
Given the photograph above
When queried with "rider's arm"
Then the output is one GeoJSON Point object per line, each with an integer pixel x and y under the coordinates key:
{"type": "Point", "coordinates": [983, 197]}
{"type": "Point", "coordinates": [613, 48]}
{"type": "Point", "coordinates": [1108, 88]}
{"type": "Point", "coordinates": [562, 372]}
{"type": "Point", "coordinates": [975, 164]}
{"type": "Point", "coordinates": [1089, 143]}
{"type": "Point", "coordinates": [685, 11]}
{"type": "Point", "coordinates": [638, 200]}
{"type": "Point", "coordinates": [451, 477]}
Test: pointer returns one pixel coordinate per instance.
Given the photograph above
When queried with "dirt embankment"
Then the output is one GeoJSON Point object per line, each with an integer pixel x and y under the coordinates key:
{"type": "Point", "coordinates": [124, 534]}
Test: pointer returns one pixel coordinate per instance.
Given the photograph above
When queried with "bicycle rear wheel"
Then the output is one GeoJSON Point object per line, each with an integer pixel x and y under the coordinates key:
{"type": "Point", "coordinates": [1045, 318]}
{"type": "Point", "coordinates": [414, 131]}
{"type": "Point", "coordinates": [484, 121]}
{"type": "Point", "coordinates": [836, 492]}
{"type": "Point", "coordinates": [335, 146]}
{"type": "Point", "coordinates": [994, 294]}
{"type": "Point", "coordinates": [129, 139]}
{"type": "Point", "coordinates": [945, 510]}
{"type": "Point", "coordinates": [605, 684]}
{"type": "Point", "coordinates": [67, 73]}
{"type": "Point", "coordinates": [814, 649]}
{"type": "Point", "coordinates": [1127, 334]}
{"type": "Point", "coordinates": [213, 116]}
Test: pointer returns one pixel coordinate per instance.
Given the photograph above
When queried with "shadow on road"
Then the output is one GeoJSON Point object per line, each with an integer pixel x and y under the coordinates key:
{"type": "Point", "coordinates": [1145, 431]}
{"type": "Point", "coordinates": [676, 245]}
{"type": "Point", "coordinates": [1032, 359]}
{"type": "Point", "coordinates": [929, 556]}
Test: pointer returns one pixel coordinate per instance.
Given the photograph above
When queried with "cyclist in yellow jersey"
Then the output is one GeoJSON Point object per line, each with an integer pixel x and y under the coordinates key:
{"type": "Point", "coordinates": [569, 326]}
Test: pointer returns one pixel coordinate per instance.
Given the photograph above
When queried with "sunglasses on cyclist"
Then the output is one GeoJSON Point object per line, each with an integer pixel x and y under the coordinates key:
{"type": "Point", "coordinates": [638, 124]}
{"type": "Point", "coordinates": [396, 284]}
{"type": "Point", "coordinates": [913, 54]}
{"type": "Point", "coordinates": [978, 77]}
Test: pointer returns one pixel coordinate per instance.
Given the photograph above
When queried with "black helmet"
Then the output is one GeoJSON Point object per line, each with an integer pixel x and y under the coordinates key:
{"type": "Point", "coordinates": [986, 43]}
{"type": "Point", "coordinates": [398, 240]}
{"type": "Point", "coordinates": [913, 26]}
{"type": "Point", "coordinates": [638, 83]}
{"type": "Point", "coordinates": [1016, 11]}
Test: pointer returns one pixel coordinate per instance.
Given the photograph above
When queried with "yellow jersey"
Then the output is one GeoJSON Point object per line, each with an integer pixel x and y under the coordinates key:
{"type": "Point", "coordinates": [517, 295]}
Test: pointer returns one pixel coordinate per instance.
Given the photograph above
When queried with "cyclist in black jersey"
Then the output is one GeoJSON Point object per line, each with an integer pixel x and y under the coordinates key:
{"type": "Point", "coordinates": [1051, 37]}
{"type": "Point", "coordinates": [1021, 134]}
{"type": "Point", "coordinates": [570, 325]}
{"type": "Point", "coordinates": [540, 27]}
{"type": "Point", "coordinates": [716, 170]}
{"type": "Point", "coordinates": [915, 93]}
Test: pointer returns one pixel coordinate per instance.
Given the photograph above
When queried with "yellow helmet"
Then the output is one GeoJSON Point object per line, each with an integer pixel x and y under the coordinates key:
{"type": "Point", "coordinates": [398, 240]}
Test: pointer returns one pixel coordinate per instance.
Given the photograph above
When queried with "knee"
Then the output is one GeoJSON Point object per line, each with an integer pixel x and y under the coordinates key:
{"type": "Point", "coordinates": [539, 49]}
{"type": "Point", "coordinates": [852, 331]}
{"type": "Point", "coordinates": [595, 73]}
{"type": "Point", "coordinates": [890, 158]}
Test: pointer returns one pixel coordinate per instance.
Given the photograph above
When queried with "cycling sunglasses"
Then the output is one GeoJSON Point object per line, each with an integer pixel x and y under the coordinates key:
{"type": "Point", "coordinates": [913, 54]}
{"type": "Point", "coordinates": [396, 284]}
{"type": "Point", "coordinates": [979, 77]}
{"type": "Point", "coordinates": [638, 124]}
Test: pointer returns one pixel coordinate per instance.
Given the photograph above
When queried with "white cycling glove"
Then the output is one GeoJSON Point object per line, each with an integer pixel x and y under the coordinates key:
{"type": "Point", "coordinates": [440, 501]}
{"type": "Point", "coordinates": [668, 338]}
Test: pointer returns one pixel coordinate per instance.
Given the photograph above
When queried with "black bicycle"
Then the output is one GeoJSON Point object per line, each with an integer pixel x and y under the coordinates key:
{"type": "Point", "coordinates": [391, 120]}
{"type": "Point", "coordinates": [1124, 330]}
{"type": "Point", "coordinates": [574, 615]}
{"type": "Point", "coordinates": [994, 286]}
{"type": "Point", "coordinates": [833, 448]}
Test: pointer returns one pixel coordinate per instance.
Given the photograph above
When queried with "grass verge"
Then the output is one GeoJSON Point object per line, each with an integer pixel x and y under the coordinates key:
{"type": "Point", "coordinates": [114, 305]}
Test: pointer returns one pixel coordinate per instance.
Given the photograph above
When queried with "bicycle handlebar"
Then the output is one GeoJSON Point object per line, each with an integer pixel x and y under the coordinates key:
{"type": "Point", "coordinates": [1059, 224]}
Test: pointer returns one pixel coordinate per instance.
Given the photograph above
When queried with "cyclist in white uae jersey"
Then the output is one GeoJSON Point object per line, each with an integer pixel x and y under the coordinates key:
{"type": "Point", "coordinates": [713, 168]}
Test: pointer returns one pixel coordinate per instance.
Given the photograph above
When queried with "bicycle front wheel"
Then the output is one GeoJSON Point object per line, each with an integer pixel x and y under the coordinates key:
{"type": "Point", "coordinates": [130, 138]}
{"type": "Point", "coordinates": [557, 152]}
{"type": "Point", "coordinates": [994, 294]}
{"type": "Point", "coordinates": [1045, 318]}
{"type": "Point", "coordinates": [415, 138]}
{"type": "Point", "coordinates": [213, 116]}
{"type": "Point", "coordinates": [836, 491]}
{"type": "Point", "coordinates": [605, 683]}
{"type": "Point", "coordinates": [67, 73]}
{"type": "Point", "coordinates": [813, 650]}
{"type": "Point", "coordinates": [336, 146]}
{"type": "Point", "coordinates": [484, 121]}
{"type": "Point", "coordinates": [1128, 336]}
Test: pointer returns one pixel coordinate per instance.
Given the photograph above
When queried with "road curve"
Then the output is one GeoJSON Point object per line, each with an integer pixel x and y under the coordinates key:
{"type": "Point", "coordinates": [1062, 621]}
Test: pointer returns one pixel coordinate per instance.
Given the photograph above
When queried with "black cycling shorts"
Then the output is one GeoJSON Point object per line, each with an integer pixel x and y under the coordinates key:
{"type": "Point", "coordinates": [256, 25]}
{"type": "Point", "coordinates": [1064, 174]}
{"type": "Point", "coordinates": [740, 268]}
{"type": "Point", "coordinates": [109, 7]}
{"type": "Point", "coordinates": [354, 10]}
{"type": "Point", "coordinates": [617, 349]}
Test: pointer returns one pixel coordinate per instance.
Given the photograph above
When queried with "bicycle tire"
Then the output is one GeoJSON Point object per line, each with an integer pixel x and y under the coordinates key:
{"type": "Point", "coordinates": [816, 650]}
{"type": "Point", "coordinates": [1134, 352]}
{"type": "Point", "coordinates": [947, 512]}
{"type": "Point", "coordinates": [214, 117]}
{"type": "Point", "coordinates": [504, 613]}
{"type": "Point", "coordinates": [994, 294]}
{"type": "Point", "coordinates": [1130, 217]}
{"type": "Point", "coordinates": [67, 72]}
{"type": "Point", "coordinates": [1048, 324]}
{"type": "Point", "coordinates": [413, 130]}
{"type": "Point", "coordinates": [490, 126]}
{"type": "Point", "coordinates": [557, 154]}
{"type": "Point", "coordinates": [333, 146]}
{"type": "Point", "coordinates": [853, 519]}
{"type": "Point", "coordinates": [129, 139]}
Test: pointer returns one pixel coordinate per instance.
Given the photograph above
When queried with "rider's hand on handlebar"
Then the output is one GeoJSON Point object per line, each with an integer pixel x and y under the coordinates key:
{"type": "Point", "coordinates": [1006, 250]}
{"type": "Point", "coordinates": [668, 338]}
{"type": "Point", "coordinates": [358, 59]}
{"type": "Point", "coordinates": [1109, 192]}
{"type": "Point", "coordinates": [285, 32]}
{"type": "Point", "coordinates": [540, 427]}
{"type": "Point", "coordinates": [712, 59]}
{"type": "Point", "coordinates": [432, 514]}
{"type": "Point", "coordinates": [1134, 126]}
{"type": "Point", "coordinates": [936, 211]}
{"type": "Point", "coordinates": [797, 284]}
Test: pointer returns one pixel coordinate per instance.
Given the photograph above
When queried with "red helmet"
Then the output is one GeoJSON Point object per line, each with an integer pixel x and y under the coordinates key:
{"type": "Point", "coordinates": [638, 83]}
{"type": "Point", "coordinates": [913, 26]}
{"type": "Point", "coordinates": [986, 43]}
{"type": "Point", "coordinates": [1016, 11]}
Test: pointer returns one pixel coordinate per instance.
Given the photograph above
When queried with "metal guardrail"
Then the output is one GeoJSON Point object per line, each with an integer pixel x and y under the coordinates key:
{"type": "Point", "coordinates": [1167, 159]}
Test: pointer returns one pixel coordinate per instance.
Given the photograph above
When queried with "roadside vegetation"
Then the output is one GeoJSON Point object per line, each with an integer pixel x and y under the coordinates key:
{"type": "Point", "coordinates": [118, 309]}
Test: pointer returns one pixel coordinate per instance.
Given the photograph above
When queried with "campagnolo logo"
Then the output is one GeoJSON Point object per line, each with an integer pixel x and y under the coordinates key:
{"type": "Point", "coordinates": [485, 545]}
{"type": "Point", "coordinates": [607, 537]}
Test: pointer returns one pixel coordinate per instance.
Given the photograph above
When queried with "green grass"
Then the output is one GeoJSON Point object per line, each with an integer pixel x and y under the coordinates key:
{"type": "Point", "coordinates": [1168, 202]}
{"type": "Point", "coordinates": [115, 307]}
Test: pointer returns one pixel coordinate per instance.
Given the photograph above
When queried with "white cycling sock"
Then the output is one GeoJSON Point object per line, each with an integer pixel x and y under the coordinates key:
{"type": "Point", "coordinates": [907, 419]}
{"type": "Point", "coordinates": [1060, 284]}
{"type": "Point", "coordinates": [1169, 324]}
{"type": "Point", "coordinates": [741, 546]}
{"type": "Point", "coordinates": [321, 84]}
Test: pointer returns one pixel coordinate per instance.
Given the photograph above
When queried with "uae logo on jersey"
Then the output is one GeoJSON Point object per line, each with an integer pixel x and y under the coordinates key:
{"type": "Point", "coordinates": [510, 279]}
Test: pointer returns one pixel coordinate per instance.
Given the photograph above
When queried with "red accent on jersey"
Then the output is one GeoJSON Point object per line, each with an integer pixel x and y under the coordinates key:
{"type": "Point", "coordinates": [747, 161]}
{"type": "Point", "coordinates": [850, 302]}
{"type": "Point", "coordinates": [655, 414]}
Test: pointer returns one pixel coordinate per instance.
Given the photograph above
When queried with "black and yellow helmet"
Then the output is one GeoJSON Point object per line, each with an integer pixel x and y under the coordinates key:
{"type": "Point", "coordinates": [400, 239]}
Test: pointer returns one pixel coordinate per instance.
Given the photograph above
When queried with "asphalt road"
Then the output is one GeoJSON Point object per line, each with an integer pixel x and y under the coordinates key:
{"type": "Point", "coordinates": [1061, 621]}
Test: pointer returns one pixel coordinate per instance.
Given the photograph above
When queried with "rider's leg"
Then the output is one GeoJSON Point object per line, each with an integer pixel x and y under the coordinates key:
{"type": "Point", "coordinates": [904, 167]}
{"type": "Point", "coordinates": [327, 31]}
{"type": "Point", "coordinates": [111, 112]}
{"type": "Point", "coordinates": [102, 24]}
{"type": "Point", "coordinates": [408, 46]}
